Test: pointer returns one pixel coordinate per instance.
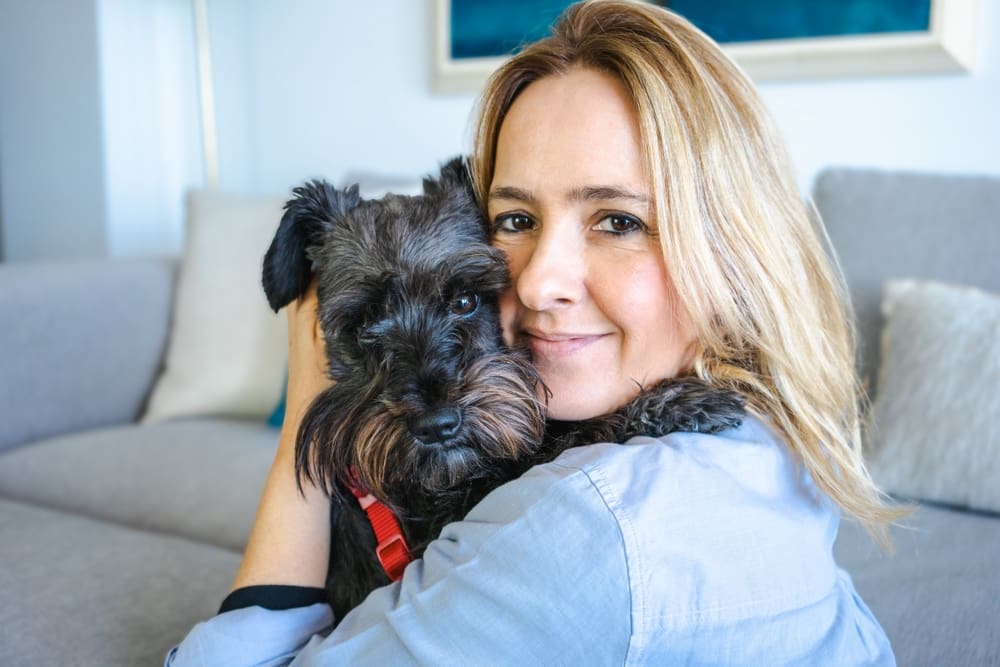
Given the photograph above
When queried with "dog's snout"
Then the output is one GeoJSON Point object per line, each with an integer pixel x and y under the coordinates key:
{"type": "Point", "coordinates": [437, 425]}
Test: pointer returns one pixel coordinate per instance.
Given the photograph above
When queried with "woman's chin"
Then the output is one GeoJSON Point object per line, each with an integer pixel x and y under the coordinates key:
{"type": "Point", "coordinates": [570, 407]}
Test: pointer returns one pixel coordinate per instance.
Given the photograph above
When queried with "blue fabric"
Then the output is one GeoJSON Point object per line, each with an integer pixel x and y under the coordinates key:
{"type": "Point", "coordinates": [691, 549]}
{"type": "Point", "coordinates": [277, 417]}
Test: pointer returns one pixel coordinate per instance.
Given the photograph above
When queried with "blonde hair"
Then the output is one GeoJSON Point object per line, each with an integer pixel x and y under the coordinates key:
{"type": "Point", "coordinates": [770, 309]}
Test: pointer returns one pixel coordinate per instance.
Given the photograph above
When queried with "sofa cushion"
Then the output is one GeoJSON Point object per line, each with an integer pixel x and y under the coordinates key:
{"type": "Point", "coordinates": [80, 591]}
{"type": "Point", "coordinates": [936, 597]}
{"type": "Point", "coordinates": [199, 479]}
{"type": "Point", "coordinates": [936, 428]}
{"type": "Point", "coordinates": [227, 350]}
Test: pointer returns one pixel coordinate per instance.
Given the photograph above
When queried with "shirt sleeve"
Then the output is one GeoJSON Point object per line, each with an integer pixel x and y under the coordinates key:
{"type": "Point", "coordinates": [535, 574]}
{"type": "Point", "coordinates": [272, 597]}
{"type": "Point", "coordinates": [251, 636]}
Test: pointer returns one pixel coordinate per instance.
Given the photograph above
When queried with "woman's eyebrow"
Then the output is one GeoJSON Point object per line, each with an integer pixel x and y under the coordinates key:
{"type": "Point", "coordinates": [511, 193]}
{"type": "Point", "coordinates": [606, 192]}
{"type": "Point", "coordinates": [583, 193]}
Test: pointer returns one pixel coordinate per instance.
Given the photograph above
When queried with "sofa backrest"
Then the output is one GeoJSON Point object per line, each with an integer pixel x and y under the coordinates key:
{"type": "Point", "coordinates": [81, 343]}
{"type": "Point", "coordinates": [886, 225]}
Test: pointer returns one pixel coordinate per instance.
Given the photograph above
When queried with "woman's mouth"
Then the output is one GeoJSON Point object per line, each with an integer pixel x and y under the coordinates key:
{"type": "Point", "coordinates": [553, 345]}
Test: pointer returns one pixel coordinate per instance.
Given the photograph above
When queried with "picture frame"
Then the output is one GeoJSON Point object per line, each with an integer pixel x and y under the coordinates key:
{"type": "Point", "coordinates": [947, 46]}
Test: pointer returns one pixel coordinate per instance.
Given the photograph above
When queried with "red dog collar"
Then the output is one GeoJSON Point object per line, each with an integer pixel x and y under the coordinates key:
{"type": "Point", "coordinates": [392, 550]}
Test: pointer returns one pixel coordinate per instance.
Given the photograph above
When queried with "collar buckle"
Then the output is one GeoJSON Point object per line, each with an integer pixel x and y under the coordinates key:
{"type": "Point", "coordinates": [394, 555]}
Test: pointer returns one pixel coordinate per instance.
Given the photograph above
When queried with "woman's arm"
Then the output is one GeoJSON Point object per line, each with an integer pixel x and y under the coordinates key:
{"type": "Point", "coordinates": [290, 540]}
{"type": "Point", "coordinates": [536, 574]}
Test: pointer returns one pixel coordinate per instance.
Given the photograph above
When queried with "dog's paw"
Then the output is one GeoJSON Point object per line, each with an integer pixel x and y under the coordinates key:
{"type": "Point", "coordinates": [685, 405]}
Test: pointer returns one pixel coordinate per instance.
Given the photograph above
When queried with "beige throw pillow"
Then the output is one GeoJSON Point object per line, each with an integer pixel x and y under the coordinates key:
{"type": "Point", "coordinates": [936, 427]}
{"type": "Point", "coordinates": [227, 350]}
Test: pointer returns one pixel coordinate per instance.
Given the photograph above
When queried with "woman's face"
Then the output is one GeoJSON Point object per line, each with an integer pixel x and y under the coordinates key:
{"type": "Point", "coordinates": [570, 205]}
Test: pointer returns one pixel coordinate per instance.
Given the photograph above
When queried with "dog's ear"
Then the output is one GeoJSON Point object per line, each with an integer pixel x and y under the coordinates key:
{"type": "Point", "coordinates": [454, 176]}
{"type": "Point", "coordinates": [312, 211]}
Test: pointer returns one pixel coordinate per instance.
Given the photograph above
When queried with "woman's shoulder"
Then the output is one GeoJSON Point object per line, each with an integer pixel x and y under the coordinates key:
{"type": "Point", "coordinates": [699, 486]}
{"type": "Point", "coordinates": [748, 460]}
{"type": "Point", "coordinates": [734, 505]}
{"type": "Point", "coordinates": [693, 489]}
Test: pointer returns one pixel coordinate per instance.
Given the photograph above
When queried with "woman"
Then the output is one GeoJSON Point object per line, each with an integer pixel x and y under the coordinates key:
{"type": "Point", "coordinates": [653, 229]}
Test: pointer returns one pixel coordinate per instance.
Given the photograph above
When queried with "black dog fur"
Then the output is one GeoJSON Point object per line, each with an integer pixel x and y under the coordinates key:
{"type": "Point", "coordinates": [429, 411]}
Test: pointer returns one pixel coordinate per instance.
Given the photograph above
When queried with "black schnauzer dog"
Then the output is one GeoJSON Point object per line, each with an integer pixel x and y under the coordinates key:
{"type": "Point", "coordinates": [429, 410]}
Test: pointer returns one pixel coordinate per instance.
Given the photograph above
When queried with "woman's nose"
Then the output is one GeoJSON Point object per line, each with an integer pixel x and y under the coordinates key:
{"type": "Point", "coordinates": [554, 275]}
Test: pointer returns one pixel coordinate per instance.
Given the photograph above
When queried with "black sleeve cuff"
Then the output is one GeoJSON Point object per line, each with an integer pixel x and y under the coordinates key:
{"type": "Point", "coordinates": [272, 597]}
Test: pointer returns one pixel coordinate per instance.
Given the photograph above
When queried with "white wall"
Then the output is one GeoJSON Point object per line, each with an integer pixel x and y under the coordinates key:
{"type": "Point", "coordinates": [330, 88]}
{"type": "Point", "coordinates": [926, 123]}
{"type": "Point", "coordinates": [98, 127]}
{"type": "Point", "coordinates": [336, 89]}
{"type": "Point", "coordinates": [152, 141]}
{"type": "Point", "coordinates": [313, 88]}
{"type": "Point", "coordinates": [52, 202]}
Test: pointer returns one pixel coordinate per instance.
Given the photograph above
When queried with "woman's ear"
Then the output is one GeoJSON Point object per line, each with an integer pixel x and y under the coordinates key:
{"type": "Point", "coordinates": [312, 211]}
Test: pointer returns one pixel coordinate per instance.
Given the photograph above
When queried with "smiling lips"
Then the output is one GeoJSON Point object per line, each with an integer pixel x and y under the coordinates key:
{"type": "Point", "coordinates": [552, 345]}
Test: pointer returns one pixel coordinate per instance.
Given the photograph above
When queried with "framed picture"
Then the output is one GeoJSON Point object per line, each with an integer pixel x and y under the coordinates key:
{"type": "Point", "coordinates": [770, 39]}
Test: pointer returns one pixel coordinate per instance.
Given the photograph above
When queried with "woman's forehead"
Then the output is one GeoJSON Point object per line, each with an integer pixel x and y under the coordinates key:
{"type": "Point", "coordinates": [575, 133]}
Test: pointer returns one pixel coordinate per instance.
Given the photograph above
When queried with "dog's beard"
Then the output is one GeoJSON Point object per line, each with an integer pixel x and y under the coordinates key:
{"type": "Point", "coordinates": [356, 436]}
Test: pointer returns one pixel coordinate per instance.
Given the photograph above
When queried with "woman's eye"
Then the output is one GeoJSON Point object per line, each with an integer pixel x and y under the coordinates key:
{"type": "Point", "coordinates": [465, 304]}
{"type": "Point", "coordinates": [512, 222]}
{"type": "Point", "coordinates": [619, 223]}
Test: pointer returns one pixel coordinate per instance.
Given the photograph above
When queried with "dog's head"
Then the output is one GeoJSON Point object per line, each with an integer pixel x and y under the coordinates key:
{"type": "Point", "coordinates": [425, 395]}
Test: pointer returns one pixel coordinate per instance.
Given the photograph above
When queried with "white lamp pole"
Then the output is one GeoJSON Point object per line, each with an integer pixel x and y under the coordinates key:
{"type": "Point", "coordinates": [206, 98]}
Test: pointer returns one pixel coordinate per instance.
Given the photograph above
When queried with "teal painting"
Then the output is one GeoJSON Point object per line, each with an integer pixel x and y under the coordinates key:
{"type": "Point", "coordinates": [758, 20]}
{"type": "Point", "coordinates": [490, 28]}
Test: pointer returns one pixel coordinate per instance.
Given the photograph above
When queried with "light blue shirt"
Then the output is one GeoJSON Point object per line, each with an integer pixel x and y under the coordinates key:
{"type": "Point", "coordinates": [690, 549]}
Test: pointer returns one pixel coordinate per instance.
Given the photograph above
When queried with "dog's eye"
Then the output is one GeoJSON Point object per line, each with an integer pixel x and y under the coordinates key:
{"type": "Point", "coordinates": [465, 304]}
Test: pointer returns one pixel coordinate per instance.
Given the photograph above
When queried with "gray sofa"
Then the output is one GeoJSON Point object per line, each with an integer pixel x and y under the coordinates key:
{"type": "Point", "coordinates": [116, 536]}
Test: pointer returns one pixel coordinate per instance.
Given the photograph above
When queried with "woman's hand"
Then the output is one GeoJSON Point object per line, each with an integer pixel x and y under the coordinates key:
{"type": "Point", "coordinates": [307, 364]}
{"type": "Point", "coordinates": [290, 540]}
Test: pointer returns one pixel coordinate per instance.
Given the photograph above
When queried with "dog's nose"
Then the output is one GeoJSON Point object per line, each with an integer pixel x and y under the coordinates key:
{"type": "Point", "coordinates": [437, 426]}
